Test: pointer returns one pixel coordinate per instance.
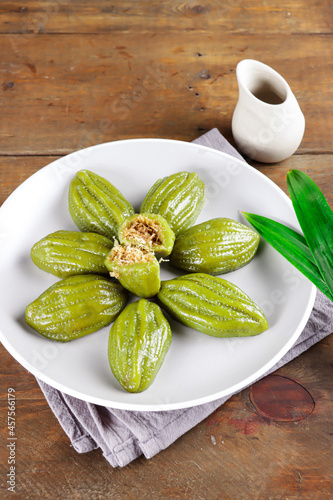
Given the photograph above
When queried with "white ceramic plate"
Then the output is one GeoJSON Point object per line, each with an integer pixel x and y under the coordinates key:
{"type": "Point", "coordinates": [197, 368]}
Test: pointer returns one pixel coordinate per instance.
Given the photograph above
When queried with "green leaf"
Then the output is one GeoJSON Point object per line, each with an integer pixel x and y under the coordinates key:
{"type": "Point", "coordinates": [316, 220]}
{"type": "Point", "coordinates": [292, 246]}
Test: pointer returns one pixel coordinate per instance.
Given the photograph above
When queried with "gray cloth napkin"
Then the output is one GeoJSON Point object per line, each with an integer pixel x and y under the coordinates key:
{"type": "Point", "coordinates": [124, 435]}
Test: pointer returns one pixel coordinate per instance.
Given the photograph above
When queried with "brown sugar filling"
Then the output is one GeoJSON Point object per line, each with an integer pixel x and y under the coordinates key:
{"type": "Point", "coordinates": [129, 254]}
{"type": "Point", "coordinates": [145, 231]}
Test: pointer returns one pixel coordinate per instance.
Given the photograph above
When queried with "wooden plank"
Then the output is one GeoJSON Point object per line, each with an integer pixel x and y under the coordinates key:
{"type": "Point", "coordinates": [11, 372]}
{"type": "Point", "coordinates": [61, 93]}
{"type": "Point", "coordinates": [234, 453]}
{"type": "Point", "coordinates": [16, 169]}
{"type": "Point", "coordinates": [232, 16]}
{"type": "Point", "coordinates": [318, 167]}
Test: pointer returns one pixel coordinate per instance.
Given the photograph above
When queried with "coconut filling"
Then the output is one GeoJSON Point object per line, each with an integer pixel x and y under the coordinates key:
{"type": "Point", "coordinates": [128, 254]}
{"type": "Point", "coordinates": [144, 231]}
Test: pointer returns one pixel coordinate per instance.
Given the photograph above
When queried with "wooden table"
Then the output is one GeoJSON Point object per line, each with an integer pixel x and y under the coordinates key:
{"type": "Point", "coordinates": [76, 73]}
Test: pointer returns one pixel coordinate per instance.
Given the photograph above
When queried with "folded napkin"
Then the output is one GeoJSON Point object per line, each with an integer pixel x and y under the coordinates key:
{"type": "Point", "coordinates": [124, 435]}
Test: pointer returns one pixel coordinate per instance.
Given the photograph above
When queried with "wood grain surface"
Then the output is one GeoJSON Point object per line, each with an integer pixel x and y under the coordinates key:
{"type": "Point", "coordinates": [80, 72]}
{"type": "Point", "coordinates": [232, 16]}
{"type": "Point", "coordinates": [100, 86]}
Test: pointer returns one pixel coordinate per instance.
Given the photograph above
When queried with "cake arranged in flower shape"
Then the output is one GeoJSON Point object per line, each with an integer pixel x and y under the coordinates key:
{"type": "Point", "coordinates": [118, 252]}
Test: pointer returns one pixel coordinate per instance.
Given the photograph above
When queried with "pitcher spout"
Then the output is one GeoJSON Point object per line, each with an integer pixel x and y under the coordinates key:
{"type": "Point", "coordinates": [262, 82]}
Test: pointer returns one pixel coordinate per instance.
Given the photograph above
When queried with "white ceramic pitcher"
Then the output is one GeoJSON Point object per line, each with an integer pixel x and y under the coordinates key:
{"type": "Point", "coordinates": [267, 124]}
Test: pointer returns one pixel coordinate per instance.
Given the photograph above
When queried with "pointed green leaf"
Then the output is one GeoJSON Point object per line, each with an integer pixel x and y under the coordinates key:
{"type": "Point", "coordinates": [316, 220]}
{"type": "Point", "coordinates": [292, 246]}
